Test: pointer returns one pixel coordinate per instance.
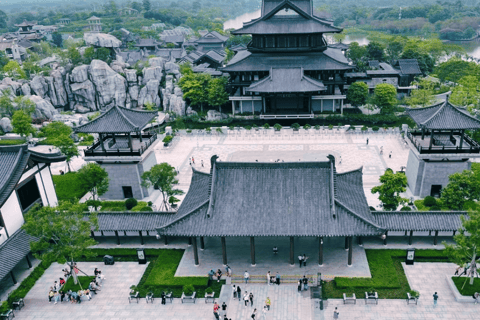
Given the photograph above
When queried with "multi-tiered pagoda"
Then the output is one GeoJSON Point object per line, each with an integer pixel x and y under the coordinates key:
{"type": "Point", "coordinates": [288, 67]}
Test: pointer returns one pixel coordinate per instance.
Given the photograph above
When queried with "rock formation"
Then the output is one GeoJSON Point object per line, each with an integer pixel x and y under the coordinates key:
{"type": "Point", "coordinates": [6, 125]}
{"type": "Point", "coordinates": [101, 40]}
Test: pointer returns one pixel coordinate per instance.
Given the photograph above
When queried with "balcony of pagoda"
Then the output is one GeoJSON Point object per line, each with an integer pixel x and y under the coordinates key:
{"type": "Point", "coordinates": [443, 142]}
{"type": "Point", "coordinates": [121, 145]}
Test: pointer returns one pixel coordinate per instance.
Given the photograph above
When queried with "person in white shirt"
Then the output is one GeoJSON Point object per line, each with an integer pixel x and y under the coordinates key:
{"type": "Point", "coordinates": [246, 276]}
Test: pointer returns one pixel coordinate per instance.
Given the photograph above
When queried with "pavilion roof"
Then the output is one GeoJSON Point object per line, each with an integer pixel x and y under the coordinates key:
{"type": "Point", "coordinates": [212, 37]}
{"type": "Point", "coordinates": [302, 21]}
{"type": "Point", "coordinates": [443, 116]}
{"type": "Point", "coordinates": [13, 250]}
{"type": "Point", "coordinates": [26, 23]}
{"type": "Point", "coordinates": [118, 120]}
{"type": "Point", "coordinates": [419, 220]}
{"type": "Point", "coordinates": [14, 159]}
{"type": "Point", "coordinates": [330, 59]}
{"type": "Point", "coordinates": [286, 80]}
{"type": "Point", "coordinates": [409, 66]}
{"type": "Point", "coordinates": [274, 199]}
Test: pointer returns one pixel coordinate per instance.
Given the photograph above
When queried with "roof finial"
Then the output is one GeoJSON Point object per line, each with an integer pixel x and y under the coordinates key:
{"type": "Point", "coordinates": [446, 98]}
{"type": "Point", "coordinates": [213, 160]}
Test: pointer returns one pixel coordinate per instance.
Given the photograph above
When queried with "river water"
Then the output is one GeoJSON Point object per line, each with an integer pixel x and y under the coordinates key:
{"type": "Point", "coordinates": [472, 48]}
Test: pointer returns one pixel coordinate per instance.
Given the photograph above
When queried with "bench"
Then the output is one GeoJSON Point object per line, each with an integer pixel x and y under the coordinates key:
{"type": "Point", "coordinates": [369, 297]}
{"type": "Point", "coordinates": [349, 299]}
{"type": "Point", "coordinates": [9, 315]}
{"type": "Point", "coordinates": [410, 298]}
{"type": "Point", "coordinates": [133, 295]}
{"type": "Point", "coordinates": [210, 296]}
{"type": "Point", "coordinates": [191, 298]}
{"type": "Point", "coordinates": [150, 297]}
{"type": "Point", "coordinates": [169, 296]}
{"type": "Point", "coordinates": [18, 305]}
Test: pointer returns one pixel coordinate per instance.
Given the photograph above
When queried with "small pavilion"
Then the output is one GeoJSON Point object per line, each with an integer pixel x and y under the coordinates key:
{"type": "Point", "coordinates": [94, 24]}
{"type": "Point", "coordinates": [122, 149]}
{"type": "Point", "coordinates": [298, 199]}
{"type": "Point", "coordinates": [440, 146]}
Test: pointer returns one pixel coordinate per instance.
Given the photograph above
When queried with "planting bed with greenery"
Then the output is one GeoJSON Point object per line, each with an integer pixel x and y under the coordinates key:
{"type": "Point", "coordinates": [83, 282]}
{"type": "Point", "coordinates": [467, 290]}
{"type": "Point", "coordinates": [11, 142]}
{"type": "Point", "coordinates": [68, 187]}
{"type": "Point", "coordinates": [388, 277]}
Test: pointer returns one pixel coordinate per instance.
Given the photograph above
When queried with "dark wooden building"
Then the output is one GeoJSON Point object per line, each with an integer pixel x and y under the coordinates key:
{"type": "Point", "coordinates": [288, 67]}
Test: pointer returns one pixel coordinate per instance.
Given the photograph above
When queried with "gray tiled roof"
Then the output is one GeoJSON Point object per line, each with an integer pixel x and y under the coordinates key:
{"type": "Point", "coordinates": [409, 66]}
{"type": "Point", "coordinates": [443, 116]}
{"type": "Point", "coordinates": [132, 221]}
{"type": "Point", "coordinates": [330, 59]}
{"type": "Point", "coordinates": [287, 80]}
{"type": "Point", "coordinates": [13, 250]}
{"type": "Point", "coordinates": [212, 37]}
{"type": "Point", "coordinates": [340, 45]}
{"type": "Point", "coordinates": [118, 120]}
{"type": "Point", "coordinates": [274, 199]}
{"type": "Point", "coordinates": [419, 220]}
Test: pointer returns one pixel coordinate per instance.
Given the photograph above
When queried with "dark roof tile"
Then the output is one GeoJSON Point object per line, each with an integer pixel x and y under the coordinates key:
{"type": "Point", "coordinates": [13, 250]}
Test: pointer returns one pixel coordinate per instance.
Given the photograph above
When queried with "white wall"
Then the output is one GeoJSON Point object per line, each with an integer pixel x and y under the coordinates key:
{"type": "Point", "coordinates": [12, 214]}
{"type": "Point", "coordinates": [3, 236]}
{"type": "Point", "coordinates": [49, 187]}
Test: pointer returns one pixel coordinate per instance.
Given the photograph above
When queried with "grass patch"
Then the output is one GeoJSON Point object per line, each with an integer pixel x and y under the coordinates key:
{"type": "Point", "coordinates": [120, 206]}
{"type": "Point", "coordinates": [67, 186]}
{"type": "Point", "coordinates": [388, 277]}
{"type": "Point", "coordinates": [11, 142]}
{"type": "Point", "coordinates": [468, 290]}
{"type": "Point", "coordinates": [84, 281]}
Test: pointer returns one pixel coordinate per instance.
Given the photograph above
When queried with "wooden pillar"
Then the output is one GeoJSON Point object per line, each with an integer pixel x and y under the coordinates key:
{"type": "Point", "coordinates": [233, 108]}
{"type": "Point", "coordinates": [454, 232]}
{"type": "Point", "coordinates": [385, 240]}
{"type": "Point", "coordinates": [350, 250]}
{"type": "Point", "coordinates": [28, 261]}
{"type": "Point", "coordinates": [224, 251]}
{"type": "Point", "coordinates": [461, 139]}
{"type": "Point", "coordinates": [360, 240]}
{"type": "Point", "coordinates": [341, 107]}
{"type": "Point", "coordinates": [118, 237]}
{"type": "Point", "coordinates": [423, 133]}
{"type": "Point", "coordinates": [320, 251]}
{"type": "Point", "coordinates": [410, 238]}
{"type": "Point", "coordinates": [141, 237]}
{"type": "Point", "coordinates": [252, 250]}
{"type": "Point", "coordinates": [195, 251]}
{"type": "Point", "coordinates": [253, 107]}
{"type": "Point", "coordinates": [13, 277]}
{"type": "Point", "coordinates": [202, 243]}
{"type": "Point", "coordinates": [189, 241]}
{"type": "Point", "coordinates": [435, 239]}
{"type": "Point", "coordinates": [321, 105]}
{"type": "Point", "coordinates": [241, 106]}
{"type": "Point", "coordinates": [431, 140]}
{"type": "Point", "coordinates": [292, 261]}
{"type": "Point", "coordinates": [406, 233]}
{"type": "Point", "coordinates": [346, 243]}
{"type": "Point", "coordinates": [102, 142]}
{"type": "Point", "coordinates": [140, 134]}
{"type": "Point", "coordinates": [165, 239]}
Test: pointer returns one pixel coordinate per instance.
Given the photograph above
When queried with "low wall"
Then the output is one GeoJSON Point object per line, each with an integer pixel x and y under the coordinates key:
{"type": "Point", "coordinates": [456, 293]}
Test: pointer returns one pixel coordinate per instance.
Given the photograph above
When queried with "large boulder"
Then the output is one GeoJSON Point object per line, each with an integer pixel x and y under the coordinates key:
{"type": "Point", "coordinates": [43, 108]}
{"type": "Point", "coordinates": [111, 88]}
{"type": "Point", "coordinates": [177, 105]}
{"type": "Point", "coordinates": [84, 96]}
{"type": "Point", "coordinates": [213, 115]}
{"type": "Point", "coordinates": [131, 76]}
{"type": "Point", "coordinates": [39, 86]}
{"type": "Point", "coordinates": [26, 91]}
{"type": "Point", "coordinates": [152, 73]}
{"type": "Point", "coordinates": [101, 40]}
{"type": "Point", "coordinates": [6, 125]}
{"type": "Point", "coordinates": [56, 90]}
{"type": "Point", "coordinates": [149, 93]}
{"type": "Point", "coordinates": [12, 85]}
{"type": "Point", "coordinates": [80, 73]}
{"type": "Point", "coordinates": [156, 62]}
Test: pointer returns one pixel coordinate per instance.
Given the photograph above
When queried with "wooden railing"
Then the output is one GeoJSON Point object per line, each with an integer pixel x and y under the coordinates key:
{"type": "Point", "coordinates": [469, 145]}
{"type": "Point", "coordinates": [93, 152]}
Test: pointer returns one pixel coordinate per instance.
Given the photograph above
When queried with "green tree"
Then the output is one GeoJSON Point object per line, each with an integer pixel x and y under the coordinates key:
{"type": "Point", "coordinates": [376, 51]}
{"type": "Point", "coordinates": [194, 87]}
{"type": "Point", "coordinates": [137, 6]}
{"type": "Point", "coordinates": [462, 187]}
{"type": "Point", "coordinates": [55, 129]}
{"type": "Point", "coordinates": [466, 251]}
{"type": "Point", "coordinates": [93, 178]}
{"type": "Point", "coordinates": [385, 96]}
{"type": "Point", "coordinates": [217, 93]}
{"type": "Point", "coordinates": [89, 55]}
{"type": "Point", "coordinates": [357, 93]}
{"type": "Point", "coordinates": [467, 92]}
{"type": "Point", "coordinates": [3, 19]}
{"type": "Point", "coordinates": [63, 233]}
{"type": "Point", "coordinates": [6, 105]}
{"type": "Point", "coordinates": [74, 55]}
{"type": "Point", "coordinates": [22, 123]}
{"type": "Point", "coordinates": [389, 191]}
{"type": "Point", "coordinates": [454, 69]}
{"type": "Point", "coordinates": [394, 49]}
{"type": "Point", "coordinates": [146, 5]}
{"type": "Point", "coordinates": [163, 177]}
{"type": "Point", "coordinates": [13, 69]}
{"type": "Point", "coordinates": [423, 95]}
{"type": "Point", "coordinates": [67, 147]}
{"type": "Point", "coordinates": [24, 103]}
{"type": "Point", "coordinates": [358, 55]}
{"type": "Point", "coordinates": [57, 39]}
{"type": "Point", "coordinates": [3, 60]}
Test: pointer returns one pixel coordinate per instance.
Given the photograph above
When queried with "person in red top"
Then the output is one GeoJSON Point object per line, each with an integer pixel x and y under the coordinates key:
{"type": "Point", "coordinates": [215, 311]}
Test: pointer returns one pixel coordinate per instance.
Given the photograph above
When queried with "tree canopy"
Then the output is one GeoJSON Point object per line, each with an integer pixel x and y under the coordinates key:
{"type": "Point", "coordinates": [93, 178]}
{"type": "Point", "coordinates": [357, 93]}
{"type": "Point", "coordinates": [22, 123]}
{"type": "Point", "coordinates": [389, 191]}
{"type": "Point", "coordinates": [163, 177]}
{"type": "Point", "coordinates": [385, 96]}
{"type": "Point", "coordinates": [217, 95]}
{"type": "Point", "coordinates": [462, 187]}
{"type": "Point", "coordinates": [423, 95]}
{"type": "Point", "coordinates": [59, 134]}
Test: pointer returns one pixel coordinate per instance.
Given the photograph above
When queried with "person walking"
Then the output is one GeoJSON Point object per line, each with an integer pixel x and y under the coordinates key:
{"type": "Point", "coordinates": [229, 271]}
{"type": "Point", "coordinates": [164, 297]}
{"type": "Point", "coordinates": [246, 298]}
{"type": "Point", "coordinates": [277, 277]}
{"type": "Point", "coordinates": [239, 292]}
{"type": "Point", "coordinates": [246, 276]}
{"type": "Point", "coordinates": [305, 283]}
{"type": "Point", "coordinates": [268, 278]}
{"type": "Point", "coordinates": [201, 163]}
{"type": "Point", "coordinates": [224, 307]}
{"type": "Point", "coordinates": [268, 303]}
{"type": "Point", "coordinates": [435, 298]}
{"type": "Point", "coordinates": [367, 141]}
{"type": "Point", "coordinates": [299, 285]}
{"type": "Point", "coordinates": [390, 155]}
{"type": "Point", "coordinates": [251, 299]}
{"type": "Point", "coordinates": [300, 261]}
{"type": "Point", "coordinates": [234, 288]}
{"type": "Point", "coordinates": [305, 258]}
{"type": "Point", "coordinates": [254, 313]}
{"type": "Point", "coordinates": [215, 311]}
{"type": "Point", "coordinates": [264, 313]}
{"type": "Point", "coordinates": [193, 160]}
{"type": "Point", "coordinates": [335, 313]}
{"type": "Point", "coordinates": [340, 160]}
{"type": "Point", "coordinates": [476, 296]}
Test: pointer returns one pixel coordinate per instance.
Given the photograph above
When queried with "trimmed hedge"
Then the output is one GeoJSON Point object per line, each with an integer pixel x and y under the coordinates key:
{"type": "Point", "coordinates": [67, 186]}
{"type": "Point", "coordinates": [468, 290]}
{"type": "Point", "coordinates": [11, 142]}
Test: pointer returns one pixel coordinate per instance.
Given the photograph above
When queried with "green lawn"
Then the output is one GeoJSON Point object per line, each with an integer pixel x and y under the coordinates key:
{"type": "Point", "coordinates": [84, 281]}
{"type": "Point", "coordinates": [388, 277]}
{"type": "Point", "coordinates": [11, 142]}
{"type": "Point", "coordinates": [468, 290]}
{"type": "Point", "coordinates": [67, 186]}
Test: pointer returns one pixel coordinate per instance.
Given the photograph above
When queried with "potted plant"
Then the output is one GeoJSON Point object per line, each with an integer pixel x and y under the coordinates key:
{"type": "Point", "coordinates": [295, 126]}
{"type": "Point", "coordinates": [255, 127]}
{"type": "Point", "coordinates": [371, 292]}
{"type": "Point", "coordinates": [219, 130]}
{"type": "Point", "coordinates": [248, 128]}
{"type": "Point", "coordinates": [339, 126]}
{"type": "Point", "coordinates": [266, 126]}
{"type": "Point", "coordinates": [414, 294]}
{"type": "Point", "coordinates": [307, 126]}
{"type": "Point", "coordinates": [231, 128]}
{"type": "Point", "coordinates": [364, 128]}
{"type": "Point", "coordinates": [166, 141]}
{"type": "Point", "coordinates": [277, 127]}
{"type": "Point", "coordinates": [375, 128]}
{"type": "Point", "coordinates": [208, 130]}
{"type": "Point", "coordinates": [209, 293]}
{"type": "Point", "coordinates": [317, 127]}
{"type": "Point", "coordinates": [173, 201]}
{"type": "Point", "coordinates": [330, 126]}
{"type": "Point", "coordinates": [188, 290]}
{"type": "Point", "coordinates": [189, 131]}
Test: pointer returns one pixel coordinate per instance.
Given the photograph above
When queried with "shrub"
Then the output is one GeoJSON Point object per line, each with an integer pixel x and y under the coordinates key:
{"type": "Point", "coordinates": [93, 203]}
{"type": "Point", "coordinates": [130, 203]}
{"type": "Point", "coordinates": [208, 129]}
{"type": "Point", "coordinates": [277, 127]}
{"type": "Point", "coordinates": [295, 126]}
{"type": "Point", "coordinates": [406, 208]}
{"type": "Point", "coordinates": [209, 290]}
{"type": "Point", "coordinates": [189, 131]}
{"type": "Point", "coordinates": [430, 201]}
{"type": "Point", "coordinates": [307, 126]}
{"type": "Point", "coordinates": [167, 139]}
{"type": "Point", "coordinates": [330, 126]}
{"type": "Point", "coordinates": [11, 142]}
{"type": "Point", "coordinates": [150, 203]}
{"type": "Point", "coordinates": [266, 126]}
{"type": "Point", "coordinates": [317, 127]}
{"type": "Point", "coordinates": [231, 127]}
{"type": "Point", "coordinates": [375, 128]}
{"type": "Point", "coordinates": [188, 289]}
{"type": "Point", "coordinates": [219, 130]}
{"type": "Point", "coordinates": [435, 208]}
{"type": "Point", "coordinates": [364, 128]}
{"type": "Point", "coordinates": [141, 208]}
{"type": "Point", "coordinates": [248, 127]}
